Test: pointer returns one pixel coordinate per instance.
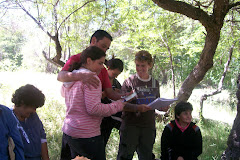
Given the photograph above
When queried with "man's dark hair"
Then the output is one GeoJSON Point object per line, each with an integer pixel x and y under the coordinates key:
{"type": "Point", "coordinates": [115, 63]}
{"type": "Point", "coordinates": [92, 52]}
{"type": "Point", "coordinates": [28, 95]}
{"type": "Point", "coordinates": [182, 107]}
{"type": "Point", "coordinates": [100, 34]}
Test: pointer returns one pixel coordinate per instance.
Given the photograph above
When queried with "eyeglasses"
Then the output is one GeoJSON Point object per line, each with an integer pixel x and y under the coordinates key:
{"type": "Point", "coordinates": [142, 57]}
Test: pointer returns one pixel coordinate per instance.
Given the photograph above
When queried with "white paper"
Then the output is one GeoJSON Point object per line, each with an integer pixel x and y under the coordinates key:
{"type": "Point", "coordinates": [161, 102]}
{"type": "Point", "coordinates": [127, 98]}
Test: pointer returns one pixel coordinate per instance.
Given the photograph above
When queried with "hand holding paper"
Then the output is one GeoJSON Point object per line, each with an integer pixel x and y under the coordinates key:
{"type": "Point", "coordinates": [159, 103]}
{"type": "Point", "coordinates": [143, 108]}
{"type": "Point", "coordinates": [129, 97]}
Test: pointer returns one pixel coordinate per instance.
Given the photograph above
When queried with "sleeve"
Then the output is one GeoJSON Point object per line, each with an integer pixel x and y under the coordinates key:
{"type": "Point", "coordinates": [104, 78]}
{"type": "Point", "coordinates": [117, 84]}
{"type": "Point", "coordinates": [14, 133]}
{"type": "Point", "coordinates": [127, 85]}
{"type": "Point", "coordinates": [198, 144]}
{"type": "Point", "coordinates": [62, 91]}
{"type": "Point", "coordinates": [165, 144]}
{"type": "Point", "coordinates": [71, 60]}
{"type": "Point", "coordinates": [42, 131]}
{"type": "Point", "coordinates": [94, 106]}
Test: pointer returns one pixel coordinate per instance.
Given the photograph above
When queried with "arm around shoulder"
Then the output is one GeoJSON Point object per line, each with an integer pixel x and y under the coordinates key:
{"type": "Point", "coordinates": [87, 78]}
{"type": "Point", "coordinates": [66, 76]}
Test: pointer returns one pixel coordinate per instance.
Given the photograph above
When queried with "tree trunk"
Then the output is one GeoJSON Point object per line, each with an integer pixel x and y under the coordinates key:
{"type": "Point", "coordinates": [58, 48]}
{"type": "Point", "coordinates": [164, 76]}
{"type": "Point", "coordinates": [233, 143]}
{"type": "Point", "coordinates": [204, 64]}
{"type": "Point", "coordinates": [213, 24]}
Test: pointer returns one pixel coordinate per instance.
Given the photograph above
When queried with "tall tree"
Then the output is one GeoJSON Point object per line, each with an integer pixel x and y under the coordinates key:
{"type": "Point", "coordinates": [213, 24]}
{"type": "Point", "coordinates": [51, 24]}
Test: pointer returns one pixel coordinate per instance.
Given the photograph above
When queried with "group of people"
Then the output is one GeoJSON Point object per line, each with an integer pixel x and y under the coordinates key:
{"type": "Point", "coordinates": [95, 104]}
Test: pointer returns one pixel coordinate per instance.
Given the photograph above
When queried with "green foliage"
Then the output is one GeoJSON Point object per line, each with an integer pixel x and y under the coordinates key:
{"type": "Point", "coordinates": [228, 38]}
{"type": "Point", "coordinates": [52, 114]}
{"type": "Point", "coordinates": [11, 42]}
{"type": "Point", "coordinates": [135, 25]}
{"type": "Point", "coordinates": [214, 145]}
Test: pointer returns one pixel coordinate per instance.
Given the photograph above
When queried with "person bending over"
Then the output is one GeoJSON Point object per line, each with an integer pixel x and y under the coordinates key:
{"type": "Point", "coordinates": [114, 68]}
{"type": "Point", "coordinates": [26, 100]}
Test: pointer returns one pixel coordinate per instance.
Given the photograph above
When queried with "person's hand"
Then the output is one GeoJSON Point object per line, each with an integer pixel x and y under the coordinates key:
{"type": "Point", "coordinates": [80, 158]}
{"type": "Point", "coordinates": [128, 93]}
{"type": "Point", "coordinates": [104, 95]}
{"type": "Point", "coordinates": [117, 90]}
{"type": "Point", "coordinates": [131, 97]}
{"type": "Point", "coordinates": [143, 108]}
{"type": "Point", "coordinates": [180, 158]}
{"type": "Point", "coordinates": [125, 93]}
{"type": "Point", "coordinates": [88, 78]}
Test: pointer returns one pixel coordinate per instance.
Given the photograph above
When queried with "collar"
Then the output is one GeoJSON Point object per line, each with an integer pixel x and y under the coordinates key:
{"type": "Point", "coordinates": [144, 80]}
{"type": "Point", "coordinates": [180, 127]}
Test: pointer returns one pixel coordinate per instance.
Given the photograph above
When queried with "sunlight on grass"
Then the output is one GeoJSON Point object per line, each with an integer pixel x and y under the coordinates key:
{"type": "Point", "coordinates": [215, 131]}
{"type": "Point", "coordinates": [53, 111]}
{"type": "Point", "coordinates": [215, 107]}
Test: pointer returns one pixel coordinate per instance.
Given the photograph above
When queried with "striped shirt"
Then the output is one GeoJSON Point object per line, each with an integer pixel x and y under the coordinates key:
{"type": "Point", "coordinates": [84, 109]}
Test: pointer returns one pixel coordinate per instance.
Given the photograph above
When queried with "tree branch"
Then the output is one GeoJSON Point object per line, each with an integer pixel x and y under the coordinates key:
{"type": "Point", "coordinates": [171, 63]}
{"type": "Point", "coordinates": [59, 63]}
{"type": "Point", "coordinates": [187, 10]}
{"type": "Point", "coordinates": [35, 20]}
{"type": "Point", "coordinates": [3, 14]}
{"type": "Point", "coordinates": [74, 12]}
{"type": "Point", "coordinates": [232, 21]}
{"type": "Point", "coordinates": [203, 4]}
{"type": "Point", "coordinates": [105, 15]}
{"type": "Point", "coordinates": [233, 5]}
{"type": "Point", "coordinates": [220, 84]}
{"type": "Point", "coordinates": [220, 9]}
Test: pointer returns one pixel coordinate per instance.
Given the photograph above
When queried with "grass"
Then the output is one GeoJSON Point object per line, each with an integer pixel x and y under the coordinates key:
{"type": "Point", "coordinates": [215, 129]}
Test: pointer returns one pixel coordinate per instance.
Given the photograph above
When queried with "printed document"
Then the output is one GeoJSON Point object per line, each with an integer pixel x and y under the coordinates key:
{"type": "Point", "coordinates": [161, 102]}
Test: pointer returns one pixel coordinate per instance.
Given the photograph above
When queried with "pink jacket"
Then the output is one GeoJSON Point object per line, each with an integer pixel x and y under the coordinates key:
{"type": "Point", "coordinates": [84, 109]}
